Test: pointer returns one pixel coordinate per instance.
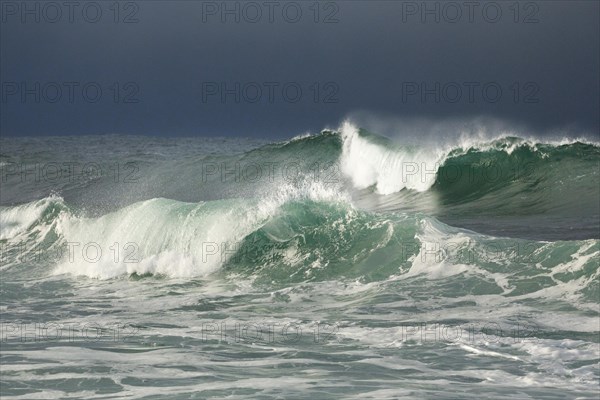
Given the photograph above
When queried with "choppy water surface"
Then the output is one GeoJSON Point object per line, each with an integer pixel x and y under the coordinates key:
{"type": "Point", "coordinates": [339, 265]}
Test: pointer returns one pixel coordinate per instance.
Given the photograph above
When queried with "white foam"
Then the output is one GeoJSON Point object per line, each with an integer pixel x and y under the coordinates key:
{"type": "Point", "coordinates": [393, 168]}
{"type": "Point", "coordinates": [16, 221]}
{"type": "Point", "coordinates": [171, 238]}
{"type": "Point", "coordinates": [389, 169]}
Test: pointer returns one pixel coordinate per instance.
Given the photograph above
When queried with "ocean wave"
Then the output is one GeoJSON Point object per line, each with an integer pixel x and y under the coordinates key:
{"type": "Point", "coordinates": [307, 229]}
{"type": "Point", "coordinates": [293, 238]}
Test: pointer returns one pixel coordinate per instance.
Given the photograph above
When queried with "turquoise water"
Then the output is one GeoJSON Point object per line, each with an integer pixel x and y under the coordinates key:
{"type": "Point", "coordinates": [339, 265]}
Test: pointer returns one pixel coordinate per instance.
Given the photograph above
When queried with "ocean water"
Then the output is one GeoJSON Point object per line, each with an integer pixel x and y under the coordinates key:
{"type": "Point", "coordinates": [336, 265]}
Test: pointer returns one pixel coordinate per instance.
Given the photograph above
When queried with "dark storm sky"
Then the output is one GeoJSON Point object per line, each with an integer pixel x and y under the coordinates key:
{"type": "Point", "coordinates": [174, 58]}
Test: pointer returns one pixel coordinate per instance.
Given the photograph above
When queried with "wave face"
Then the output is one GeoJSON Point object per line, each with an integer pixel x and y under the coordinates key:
{"type": "Point", "coordinates": [511, 175]}
{"type": "Point", "coordinates": [363, 232]}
